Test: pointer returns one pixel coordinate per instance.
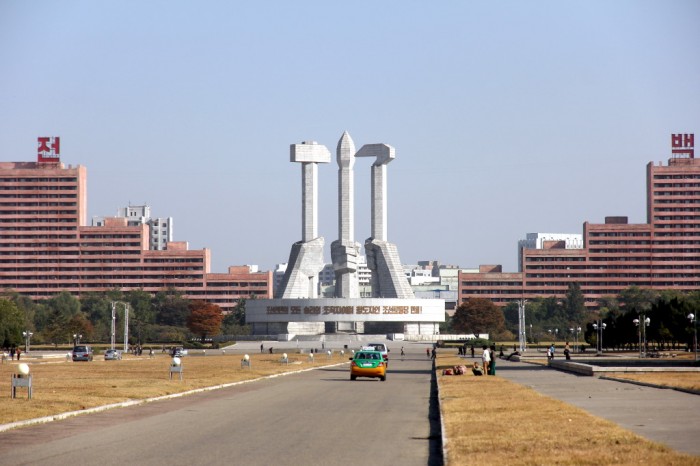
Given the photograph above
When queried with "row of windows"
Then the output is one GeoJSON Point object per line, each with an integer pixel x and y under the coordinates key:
{"type": "Point", "coordinates": [38, 196]}
{"type": "Point", "coordinates": [644, 266]}
{"type": "Point", "coordinates": [676, 193]}
{"type": "Point", "coordinates": [615, 234]}
{"type": "Point", "coordinates": [38, 204]}
{"type": "Point", "coordinates": [661, 218]}
{"type": "Point", "coordinates": [645, 251]}
{"type": "Point", "coordinates": [677, 226]}
{"type": "Point", "coordinates": [4, 237]}
{"type": "Point", "coordinates": [684, 176]}
{"type": "Point", "coordinates": [234, 284]}
{"type": "Point", "coordinates": [109, 236]}
{"type": "Point", "coordinates": [106, 246]}
{"type": "Point", "coordinates": [60, 179]}
{"type": "Point", "coordinates": [677, 201]}
{"type": "Point", "coordinates": [170, 260]}
{"type": "Point", "coordinates": [25, 191]}
{"type": "Point", "coordinates": [37, 212]}
{"type": "Point", "coordinates": [24, 228]}
{"type": "Point", "coordinates": [109, 277]}
{"type": "Point", "coordinates": [676, 185]}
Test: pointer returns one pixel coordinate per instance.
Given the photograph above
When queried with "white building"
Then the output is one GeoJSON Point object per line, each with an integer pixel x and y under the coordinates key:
{"type": "Point", "coordinates": [161, 228]}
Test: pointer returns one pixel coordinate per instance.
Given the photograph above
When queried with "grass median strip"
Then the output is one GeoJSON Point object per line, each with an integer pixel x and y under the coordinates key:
{"type": "Point", "coordinates": [61, 386]}
{"type": "Point", "coordinates": [490, 420]}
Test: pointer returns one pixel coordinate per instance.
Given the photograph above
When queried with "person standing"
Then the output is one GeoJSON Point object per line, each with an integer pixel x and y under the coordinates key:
{"type": "Point", "coordinates": [262, 347]}
{"type": "Point", "coordinates": [567, 352]}
{"type": "Point", "coordinates": [427, 352]}
{"type": "Point", "coordinates": [492, 363]}
{"type": "Point", "coordinates": [485, 359]}
{"type": "Point", "coordinates": [472, 351]}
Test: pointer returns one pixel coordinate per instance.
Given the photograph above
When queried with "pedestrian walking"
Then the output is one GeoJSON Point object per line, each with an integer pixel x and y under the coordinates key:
{"type": "Point", "coordinates": [485, 358]}
{"type": "Point", "coordinates": [492, 363]}
{"type": "Point", "coordinates": [427, 352]}
{"type": "Point", "coordinates": [402, 353]}
{"type": "Point", "coordinates": [262, 348]}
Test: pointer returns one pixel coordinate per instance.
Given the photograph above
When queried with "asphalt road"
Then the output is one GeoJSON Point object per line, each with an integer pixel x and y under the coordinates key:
{"type": "Point", "coordinates": [314, 418]}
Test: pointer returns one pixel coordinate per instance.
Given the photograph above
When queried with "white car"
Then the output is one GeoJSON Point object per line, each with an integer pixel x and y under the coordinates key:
{"type": "Point", "coordinates": [113, 355]}
{"type": "Point", "coordinates": [381, 347]}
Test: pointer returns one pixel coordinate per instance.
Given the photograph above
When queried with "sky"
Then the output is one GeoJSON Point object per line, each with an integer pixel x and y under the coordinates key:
{"type": "Point", "coordinates": [507, 117]}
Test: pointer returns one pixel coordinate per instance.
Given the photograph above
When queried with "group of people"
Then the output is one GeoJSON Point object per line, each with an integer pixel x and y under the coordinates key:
{"type": "Point", "coordinates": [14, 352]}
{"type": "Point", "coordinates": [488, 361]}
{"type": "Point", "coordinates": [551, 350]}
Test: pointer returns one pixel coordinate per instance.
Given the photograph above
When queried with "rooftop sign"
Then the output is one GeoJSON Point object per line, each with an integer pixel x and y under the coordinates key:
{"type": "Point", "coordinates": [683, 145]}
{"type": "Point", "coordinates": [49, 149]}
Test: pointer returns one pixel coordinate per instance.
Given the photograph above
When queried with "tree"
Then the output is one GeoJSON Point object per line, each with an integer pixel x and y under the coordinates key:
{"type": "Point", "coordinates": [11, 323]}
{"type": "Point", "coordinates": [171, 308]}
{"type": "Point", "coordinates": [205, 319]}
{"type": "Point", "coordinates": [478, 315]}
{"type": "Point", "coordinates": [61, 309]}
{"type": "Point", "coordinates": [234, 321]}
{"type": "Point", "coordinates": [574, 304]}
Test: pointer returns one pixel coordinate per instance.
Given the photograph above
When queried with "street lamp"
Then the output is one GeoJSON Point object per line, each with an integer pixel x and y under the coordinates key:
{"type": "Point", "coordinates": [694, 320]}
{"type": "Point", "coordinates": [599, 327]}
{"type": "Point", "coordinates": [642, 334]}
{"type": "Point", "coordinates": [575, 331]}
{"type": "Point", "coordinates": [76, 338]}
{"type": "Point", "coordinates": [27, 337]}
{"type": "Point", "coordinates": [522, 338]}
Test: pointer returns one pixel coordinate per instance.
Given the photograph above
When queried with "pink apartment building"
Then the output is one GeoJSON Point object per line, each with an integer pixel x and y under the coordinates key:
{"type": "Point", "coordinates": [663, 253]}
{"type": "Point", "coordinates": [46, 246]}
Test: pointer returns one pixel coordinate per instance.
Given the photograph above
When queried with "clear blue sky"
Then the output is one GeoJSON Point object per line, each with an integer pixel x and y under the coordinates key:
{"type": "Point", "coordinates": [507, 117]}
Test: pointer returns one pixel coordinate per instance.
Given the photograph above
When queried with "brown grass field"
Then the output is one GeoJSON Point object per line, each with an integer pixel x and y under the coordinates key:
{"type": "Point", "coordinates": [686, 380]}
{"type": "Point", "coordinates": [483, 425]}
{"type": "Point", "coordinates": [61, 386]}
{"type": "Point", "coordinates": [492, 421]}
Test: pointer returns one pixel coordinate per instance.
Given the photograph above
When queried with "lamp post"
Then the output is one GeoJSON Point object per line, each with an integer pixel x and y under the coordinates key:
{"type": "Point", "coordinates": [27, 337]}
{"type": "Point", "coordinates": [522, 338]}
{"type": "Point", "coordinates": [575, 331]}
{"type": "Point", "coordinates": [599, 327]}
{"type": "Point", "coordinates": [642, 334]}
{"type": "Point", "coordinates": [76, 338]}
{"type": "Point", "coordinates": [694, 320]}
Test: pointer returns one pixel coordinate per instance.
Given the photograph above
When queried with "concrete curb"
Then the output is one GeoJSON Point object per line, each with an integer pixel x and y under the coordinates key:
{"type": "Point", "coordinates": [443, 435]}
{"type": "Point", "coordinates": [124, 404]}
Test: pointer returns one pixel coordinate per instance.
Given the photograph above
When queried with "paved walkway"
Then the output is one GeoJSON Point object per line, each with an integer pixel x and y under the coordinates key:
{"type": "Point", "coordinates": [662, 415]}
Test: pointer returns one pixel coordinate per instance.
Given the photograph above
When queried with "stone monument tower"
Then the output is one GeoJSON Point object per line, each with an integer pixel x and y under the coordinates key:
{"type": "Point", "coordinates": [388, 278]}
{"type": "Point", "coordinates": [345, 251]}
{"type": "Point", "coordinates": [306, 258]}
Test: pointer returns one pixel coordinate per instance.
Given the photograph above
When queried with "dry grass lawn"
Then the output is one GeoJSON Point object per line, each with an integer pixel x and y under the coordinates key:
{"type": "Point", "coordinates": [492, 421]}
{"type": "Point", "coordinates": [686, 380]}
{"type": "Point", "coordinates": [61, 386]}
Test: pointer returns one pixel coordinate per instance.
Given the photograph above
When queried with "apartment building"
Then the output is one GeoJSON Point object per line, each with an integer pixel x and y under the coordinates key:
{"type": "Point", "coordinates": [46, 247]}
{"type": "Point", "coordinates": [160, 228]}
{"type": "Point", "coordinates": [663, 253]}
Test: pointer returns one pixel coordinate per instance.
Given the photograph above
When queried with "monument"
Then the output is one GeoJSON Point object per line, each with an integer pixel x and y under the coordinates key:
{"type": "Point", "coordinates": [296, 309]}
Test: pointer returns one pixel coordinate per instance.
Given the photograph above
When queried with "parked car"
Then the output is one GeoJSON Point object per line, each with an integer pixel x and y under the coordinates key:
{"type": "Point", "coordinates": [179, 352]}
{"type": "Point", "coordinates": [82, 353]}
{"type": "Point", "coordinates": [368, 363]}
{"type": "Point", "coordinates": [112, 355]}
